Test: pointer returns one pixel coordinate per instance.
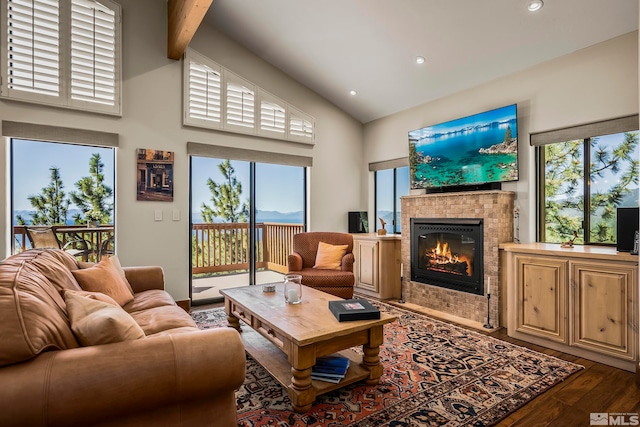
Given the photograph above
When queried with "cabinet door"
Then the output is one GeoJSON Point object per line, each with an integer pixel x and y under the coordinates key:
{"type": "Point", "coordinates": [604, 308]}
{"type": "Point", "coordinates": [367, 264]}
{"type": "Point", "coordinates": [542, 297]}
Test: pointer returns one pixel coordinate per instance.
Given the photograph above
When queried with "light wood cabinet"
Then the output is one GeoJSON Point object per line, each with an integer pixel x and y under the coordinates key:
{"type": "Point", "coordinates": [541, 289]}
{"type": "Point", "coordinates": [604, 304]}
{"type": "Point", "coordinates": [582, 301]}
{"type": "Point", "coordinates": [377, 265]}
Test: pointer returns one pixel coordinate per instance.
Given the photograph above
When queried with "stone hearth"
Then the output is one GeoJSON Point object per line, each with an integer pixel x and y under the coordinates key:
{"type": "Point", "coordinates": [496, 208]}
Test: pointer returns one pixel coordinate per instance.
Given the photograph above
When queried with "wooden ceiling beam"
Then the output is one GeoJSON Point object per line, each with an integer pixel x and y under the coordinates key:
{"type": "Point", "coordinates": [184, 18]}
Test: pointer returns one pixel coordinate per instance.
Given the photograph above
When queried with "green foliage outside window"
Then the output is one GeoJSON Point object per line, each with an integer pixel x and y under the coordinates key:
{"type": "Point", "coordinates": [92, 197]}
{"type": "Point", "coordinates": [577, 193]}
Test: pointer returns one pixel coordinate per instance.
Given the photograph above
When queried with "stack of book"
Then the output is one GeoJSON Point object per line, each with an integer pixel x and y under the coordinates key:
{"type": "Point", "coordinates": [330, 368]}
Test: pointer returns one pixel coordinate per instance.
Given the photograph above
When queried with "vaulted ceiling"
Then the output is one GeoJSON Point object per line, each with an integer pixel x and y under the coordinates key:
{"type": "Point", "coordinates": [370, 46]}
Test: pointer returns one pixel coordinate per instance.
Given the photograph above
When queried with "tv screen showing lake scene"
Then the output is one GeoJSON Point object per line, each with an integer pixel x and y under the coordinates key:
{"type": "Point", "coordinates": [473, 150]}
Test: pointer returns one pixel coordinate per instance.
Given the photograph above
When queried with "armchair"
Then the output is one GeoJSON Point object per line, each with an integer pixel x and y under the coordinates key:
{"type": "Point", "coordinates": [303, 258]}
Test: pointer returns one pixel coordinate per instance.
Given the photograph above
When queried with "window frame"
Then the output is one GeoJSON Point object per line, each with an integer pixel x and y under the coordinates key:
{"type": "Point", "coordinates": [396, 207]}
{"type": "Point", "coordinates": [612, 127]}
{"type": "Point", "coordinates": [64, 98]}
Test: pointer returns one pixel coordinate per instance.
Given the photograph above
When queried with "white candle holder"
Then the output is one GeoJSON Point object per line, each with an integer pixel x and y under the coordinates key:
{"type": "Point", "coordinates": [293, 288]}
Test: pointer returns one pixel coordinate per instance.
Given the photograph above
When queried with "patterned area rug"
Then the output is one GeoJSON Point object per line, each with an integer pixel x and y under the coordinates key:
{"type": "Point", "coordinates": [435, 374]}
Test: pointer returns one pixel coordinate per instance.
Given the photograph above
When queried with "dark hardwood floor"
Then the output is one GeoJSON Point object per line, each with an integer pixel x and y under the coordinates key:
{"type": "Point", "coordinates": [596, 388]}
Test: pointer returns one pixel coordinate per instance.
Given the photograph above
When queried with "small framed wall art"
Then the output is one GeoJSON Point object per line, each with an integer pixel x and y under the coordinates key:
{"type": "Point", "coordinates": [154, 175]}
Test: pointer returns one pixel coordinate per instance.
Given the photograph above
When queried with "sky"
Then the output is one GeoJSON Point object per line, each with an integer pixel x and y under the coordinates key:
{"type": "Point", "coordinates": [32, 161]}
{"type": "Point", "coordinates": [384, 187]}
{"type": "Point", "coordinates": [278, 188]}
{"type": "Point", "coordinates": [499, 114]}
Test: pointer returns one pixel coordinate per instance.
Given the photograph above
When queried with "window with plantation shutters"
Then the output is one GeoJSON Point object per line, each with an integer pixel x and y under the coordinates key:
{"type": "Point", "coordinates": [202, 94]}
{"type": "Point", "coordinates": [93, 52]}
{"type": "Point", "coordinates": [300, 126]}
{"type": "Point", "coordinates": [62, 52]}
{"type": "Point", "coordinates": [272, 115]}
{"type": "Point", "coordinates": [240, 103]}
{"type": "Point", "coordinates": [33, 50]}
{"type": "Point", "coordinates": [216, 98]}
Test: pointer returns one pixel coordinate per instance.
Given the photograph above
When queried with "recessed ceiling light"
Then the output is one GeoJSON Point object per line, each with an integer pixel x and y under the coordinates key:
{"type": "Point", "coordinates": [535, 5]}
{"type": "Point", "coordinates": [353, 92]}
{"type": "Point", "coordinates": [419, 59]}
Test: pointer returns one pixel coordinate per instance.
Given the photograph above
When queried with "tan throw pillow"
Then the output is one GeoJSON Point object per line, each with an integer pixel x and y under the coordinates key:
{"type": "Point", "coordinates": [99, 296]}
{"type": "Point", "coordinates": [116, 262]}
{"type": "Point", "coordinates": [329, 257]}
{"type": "Point", "coordinates": [104, 278]}
{"type": "Point", "coordinates": [96, 322]}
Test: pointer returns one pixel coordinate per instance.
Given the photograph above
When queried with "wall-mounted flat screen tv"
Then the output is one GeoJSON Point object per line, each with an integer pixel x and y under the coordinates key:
{"type": "Point", "coordinates": [472, 151]}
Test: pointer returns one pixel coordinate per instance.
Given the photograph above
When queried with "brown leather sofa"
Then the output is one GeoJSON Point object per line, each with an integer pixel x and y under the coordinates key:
{"type": "Point", "coordinates": [176, 375]}
{"type": "Point", "coordinates": [303, 257]}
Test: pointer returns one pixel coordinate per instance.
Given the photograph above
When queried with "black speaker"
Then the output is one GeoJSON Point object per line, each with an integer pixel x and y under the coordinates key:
{"type": "Point", "coordinates": [358, 222]}
{"type": "Point", "coordinates": [627, 226]}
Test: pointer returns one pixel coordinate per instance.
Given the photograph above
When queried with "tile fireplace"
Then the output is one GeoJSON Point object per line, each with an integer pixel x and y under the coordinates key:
{"type": "Point", "coordinates": [466, 297]}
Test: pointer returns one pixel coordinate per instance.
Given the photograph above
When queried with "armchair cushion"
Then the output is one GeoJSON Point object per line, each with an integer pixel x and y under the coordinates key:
{"type": "Point", "coordinates": [330, 256]}
{"type": "Point", "coordinates": [104, 277]}
{"type": "Point", "coordinates": [304, 261]}
{"type": "Point", "coordinates": [96, 322]}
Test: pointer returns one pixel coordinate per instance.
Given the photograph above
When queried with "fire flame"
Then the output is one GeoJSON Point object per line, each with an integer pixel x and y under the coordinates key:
{"type": "Point", "coordinates": [441, 255]}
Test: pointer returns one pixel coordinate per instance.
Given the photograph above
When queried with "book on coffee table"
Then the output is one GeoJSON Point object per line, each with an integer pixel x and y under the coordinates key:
{"type": "Point", "coordinates": [353, 309]}
{"type": "Point", "coordinates": [330, 368]}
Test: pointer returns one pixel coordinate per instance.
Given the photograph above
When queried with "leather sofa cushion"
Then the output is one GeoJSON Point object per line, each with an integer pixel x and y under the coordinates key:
{"type": "Point", "coordinates": [163, 318]}
{"type": "Point", "coordinates": [32, 311]}
{"type": "Point", "coordinates": [95, 322]}
{"type": "Point", "coordinates": [149, 299]}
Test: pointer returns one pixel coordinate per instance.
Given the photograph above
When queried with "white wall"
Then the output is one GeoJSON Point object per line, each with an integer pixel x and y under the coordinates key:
{"type": "Point", "coordinates": [152, 118]}
{"type": "Point", "coordinates": [597, 83]}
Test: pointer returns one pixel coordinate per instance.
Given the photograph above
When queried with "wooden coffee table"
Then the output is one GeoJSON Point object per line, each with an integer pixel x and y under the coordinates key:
{"type": "Point", "coordinates": [286, 339]}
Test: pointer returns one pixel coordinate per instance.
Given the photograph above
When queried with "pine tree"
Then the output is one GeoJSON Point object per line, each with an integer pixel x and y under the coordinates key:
{"type": "Point", "coordinates": [93, 195]}
{"type": "Point", "coordinates": [51, 205]}
{"type": "Point", "coordinates": [507, 135]}
{"type": "Point", "coordinates": [564, 192]}
{"type": "Point", "coordinates": [225, 198]}
{"type": "Point", "coordinates": [226, 204]}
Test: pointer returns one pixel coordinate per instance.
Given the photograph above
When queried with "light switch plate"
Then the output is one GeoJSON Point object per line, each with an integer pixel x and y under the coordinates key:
{"type": "Point", "coordinates": [176, 214]}
{"type": "Point", "coordinates": [158, 215]}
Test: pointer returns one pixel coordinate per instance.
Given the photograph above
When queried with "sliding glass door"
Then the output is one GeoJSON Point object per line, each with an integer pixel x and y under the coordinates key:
{"type": "Point", "coordinates": [243, 215]}
{"type": "Point", "coordinates": [280, 213]}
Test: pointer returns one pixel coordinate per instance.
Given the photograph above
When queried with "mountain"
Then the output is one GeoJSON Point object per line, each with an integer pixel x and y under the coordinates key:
{"type": "Point", "coordinates": [26, 215]}
{"type": "Point", "coordinates": [263, 216]}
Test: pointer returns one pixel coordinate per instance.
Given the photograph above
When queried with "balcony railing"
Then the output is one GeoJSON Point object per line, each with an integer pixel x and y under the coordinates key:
{"type": "Point", "coordinates": [98, 239]}
{"type": "Point", "coordinates": [217, 247]}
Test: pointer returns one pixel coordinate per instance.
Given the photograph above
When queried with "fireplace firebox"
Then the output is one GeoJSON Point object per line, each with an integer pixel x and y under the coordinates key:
{"type": "Point", "coordinates": [448, 253]}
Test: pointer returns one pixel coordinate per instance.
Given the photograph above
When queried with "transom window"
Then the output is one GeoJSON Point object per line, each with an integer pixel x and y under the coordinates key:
{"type": "Point", "coordinates": [216, 98]}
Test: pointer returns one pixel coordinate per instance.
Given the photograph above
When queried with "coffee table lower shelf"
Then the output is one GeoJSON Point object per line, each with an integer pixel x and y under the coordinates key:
{"type": "Point", "coordinates": [275, 362]}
